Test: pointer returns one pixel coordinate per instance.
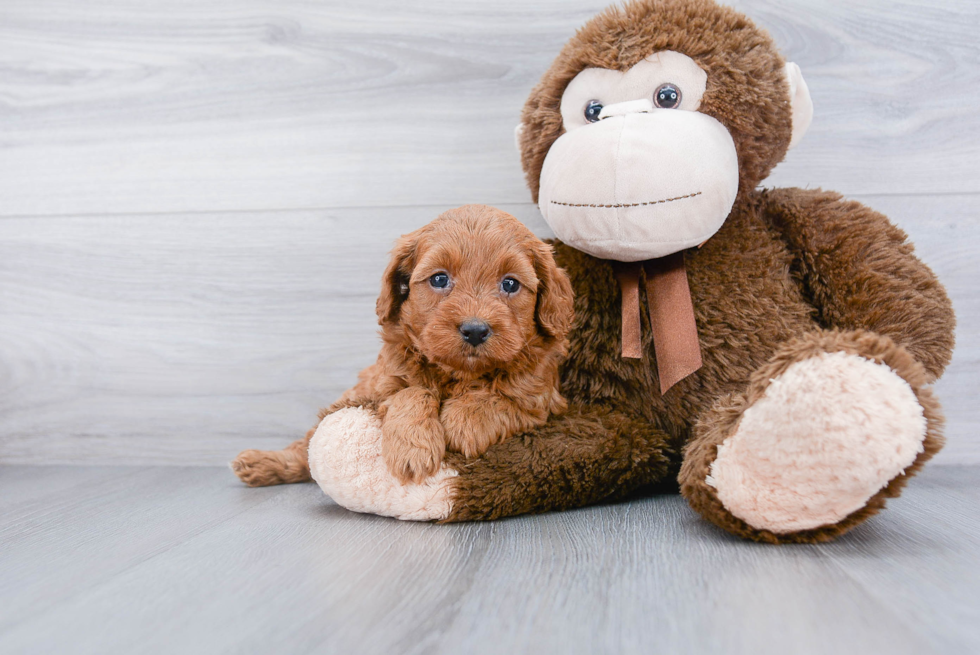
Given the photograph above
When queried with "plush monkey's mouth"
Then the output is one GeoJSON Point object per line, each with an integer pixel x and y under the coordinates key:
{"type": "Point", "coordinates": [625, 204]}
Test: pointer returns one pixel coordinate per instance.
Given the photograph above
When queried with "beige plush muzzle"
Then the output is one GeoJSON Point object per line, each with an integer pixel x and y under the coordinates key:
{"type": "Point", "coordinates": [640, 183]}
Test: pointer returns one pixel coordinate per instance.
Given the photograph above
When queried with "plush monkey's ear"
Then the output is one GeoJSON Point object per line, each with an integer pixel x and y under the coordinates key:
{"type": "Point", "coordinates": [517, 135]}
{"type": "Point", "coordinates": [554, 310]}
{"type": "Point", "coordinates": [394, 282]}
{"type": "Point", "coordinates": [800, 103]}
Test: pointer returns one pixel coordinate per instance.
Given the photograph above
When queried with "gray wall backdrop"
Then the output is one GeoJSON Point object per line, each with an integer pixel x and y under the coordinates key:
{"type": "Point", "coordinates": [197, 196]}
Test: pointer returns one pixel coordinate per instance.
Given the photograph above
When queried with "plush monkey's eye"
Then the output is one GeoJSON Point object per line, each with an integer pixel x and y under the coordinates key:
{"type": "Point", "coordinates": [667, 96]}
{"type": "Point", "coordinates": [592, 111]}
{"type": "Point", "coordinates": [509, 285]}
{"type": "Point", "coordinates": [439, 281]}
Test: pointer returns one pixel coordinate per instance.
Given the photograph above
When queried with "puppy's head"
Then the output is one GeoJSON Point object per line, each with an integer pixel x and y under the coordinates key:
{"type": "Point", "coordinates": [473, 290]}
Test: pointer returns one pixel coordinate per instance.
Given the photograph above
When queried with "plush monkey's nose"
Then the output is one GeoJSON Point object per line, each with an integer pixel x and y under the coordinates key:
{"type": "Point", "coordinates": [643, 106]}
{"type": "Point", "coordinates": [474, 331]}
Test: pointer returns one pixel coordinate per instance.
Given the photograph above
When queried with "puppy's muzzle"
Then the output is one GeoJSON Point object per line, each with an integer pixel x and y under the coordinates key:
{"type": "Point", "coordinates": [474, 331]}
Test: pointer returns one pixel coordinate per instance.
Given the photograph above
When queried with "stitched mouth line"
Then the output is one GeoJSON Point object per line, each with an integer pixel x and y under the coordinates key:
{"type": "Point", "coordinates": [633, 204]}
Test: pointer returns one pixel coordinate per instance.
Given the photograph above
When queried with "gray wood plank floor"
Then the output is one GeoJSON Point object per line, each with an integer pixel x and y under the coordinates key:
{"type": "Point", "coordinates": [186, 560]}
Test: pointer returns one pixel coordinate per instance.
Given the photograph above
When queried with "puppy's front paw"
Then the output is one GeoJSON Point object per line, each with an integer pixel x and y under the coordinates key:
{"type": "Point", "coordinates": [470, 428]}
{"type": "Point", "coordinates": [412, 450]}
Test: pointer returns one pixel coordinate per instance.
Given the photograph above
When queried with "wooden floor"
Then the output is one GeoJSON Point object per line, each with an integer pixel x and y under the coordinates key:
{"type": "Point", "coordinates": [186, 560]}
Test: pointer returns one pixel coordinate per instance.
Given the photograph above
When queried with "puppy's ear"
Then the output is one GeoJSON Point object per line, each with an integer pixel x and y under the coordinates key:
{"type": "Point", "coordinates": [394, 282]}
{"type": "Point", "coordinates": [554, 311]}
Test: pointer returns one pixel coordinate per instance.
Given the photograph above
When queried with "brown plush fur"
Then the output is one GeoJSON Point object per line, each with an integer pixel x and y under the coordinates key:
{"type": "Point", "coordinates": [433, 390]}
{"type": "Point", "coordinates": [787, 266]}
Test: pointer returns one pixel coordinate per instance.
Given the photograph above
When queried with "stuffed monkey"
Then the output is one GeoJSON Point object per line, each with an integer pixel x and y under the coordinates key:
{"type": "Point", "coordinates": [767, 352]}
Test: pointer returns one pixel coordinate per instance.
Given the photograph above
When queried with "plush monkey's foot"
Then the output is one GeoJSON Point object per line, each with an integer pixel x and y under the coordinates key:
{"type": "Point", "coordinates": [829, 428]}
{"type": "Point", "coordinates": [345, 460]}
{"type": "Point", "coordinates": [827, 435]}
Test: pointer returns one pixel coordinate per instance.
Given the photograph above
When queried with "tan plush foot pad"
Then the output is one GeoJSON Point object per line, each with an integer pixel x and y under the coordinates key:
{"type": "Point", "coordinates": [345, 460]}
{"type": "Point", "coordinates": [828, 434]}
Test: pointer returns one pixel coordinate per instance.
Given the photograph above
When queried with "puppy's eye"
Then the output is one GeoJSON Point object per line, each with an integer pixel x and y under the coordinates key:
{"type": "Point", "coordinates": [592, 111]}
{"type": "Point", "coordinates": [509, 285]}
{"type": "Point", "coordinates": [668, 96]}
{"type": "Point", "coordinates": [439, 281]}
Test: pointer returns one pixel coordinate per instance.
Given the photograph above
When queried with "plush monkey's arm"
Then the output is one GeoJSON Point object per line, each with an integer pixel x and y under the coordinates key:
{"type": "Point", "coordinates": [859, 272]}
{"type": "Point", "coordinates": [587, 455]}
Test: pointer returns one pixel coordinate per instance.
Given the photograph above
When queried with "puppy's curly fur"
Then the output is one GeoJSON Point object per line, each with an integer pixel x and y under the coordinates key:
{"type": "Point", "coordinates": [435, 386]}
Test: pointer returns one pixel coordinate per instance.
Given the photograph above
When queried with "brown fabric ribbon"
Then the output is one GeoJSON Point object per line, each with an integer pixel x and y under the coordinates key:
{"type": "Point", "coordinates": [675, 333]}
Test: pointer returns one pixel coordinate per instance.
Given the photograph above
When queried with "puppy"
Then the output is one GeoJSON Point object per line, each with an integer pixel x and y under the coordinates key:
{"type": "Point", "coordinates": [474, 315]}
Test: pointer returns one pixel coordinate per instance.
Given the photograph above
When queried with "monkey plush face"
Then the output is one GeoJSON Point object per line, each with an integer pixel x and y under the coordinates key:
{"type": "Point", "coordinates": [639, 172]}
{"type": "Point", "coordinates": [640, 138]}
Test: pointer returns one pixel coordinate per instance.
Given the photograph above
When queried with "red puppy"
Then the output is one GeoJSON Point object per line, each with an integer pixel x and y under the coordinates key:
{"type": "Point", "coordinates": [474, 315]}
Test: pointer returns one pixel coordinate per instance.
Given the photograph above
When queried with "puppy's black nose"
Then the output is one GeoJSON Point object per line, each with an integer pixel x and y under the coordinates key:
{"type": "Point", "coordinates": [474, 331]}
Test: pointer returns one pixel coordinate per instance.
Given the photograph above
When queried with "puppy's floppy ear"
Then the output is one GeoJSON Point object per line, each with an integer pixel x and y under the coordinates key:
{"type": "Point", "coordinates": [554, 310]}
{"type": "Point", "coordinates": [394, 282]}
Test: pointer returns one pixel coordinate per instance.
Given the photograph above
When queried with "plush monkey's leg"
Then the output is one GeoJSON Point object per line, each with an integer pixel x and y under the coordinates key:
{"type": "Point", "coordinates": [584, 456]}
{"type": "Point", "coordinates": [345, 460]}
{"type": "Point", "coordinates": [830, 427]}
